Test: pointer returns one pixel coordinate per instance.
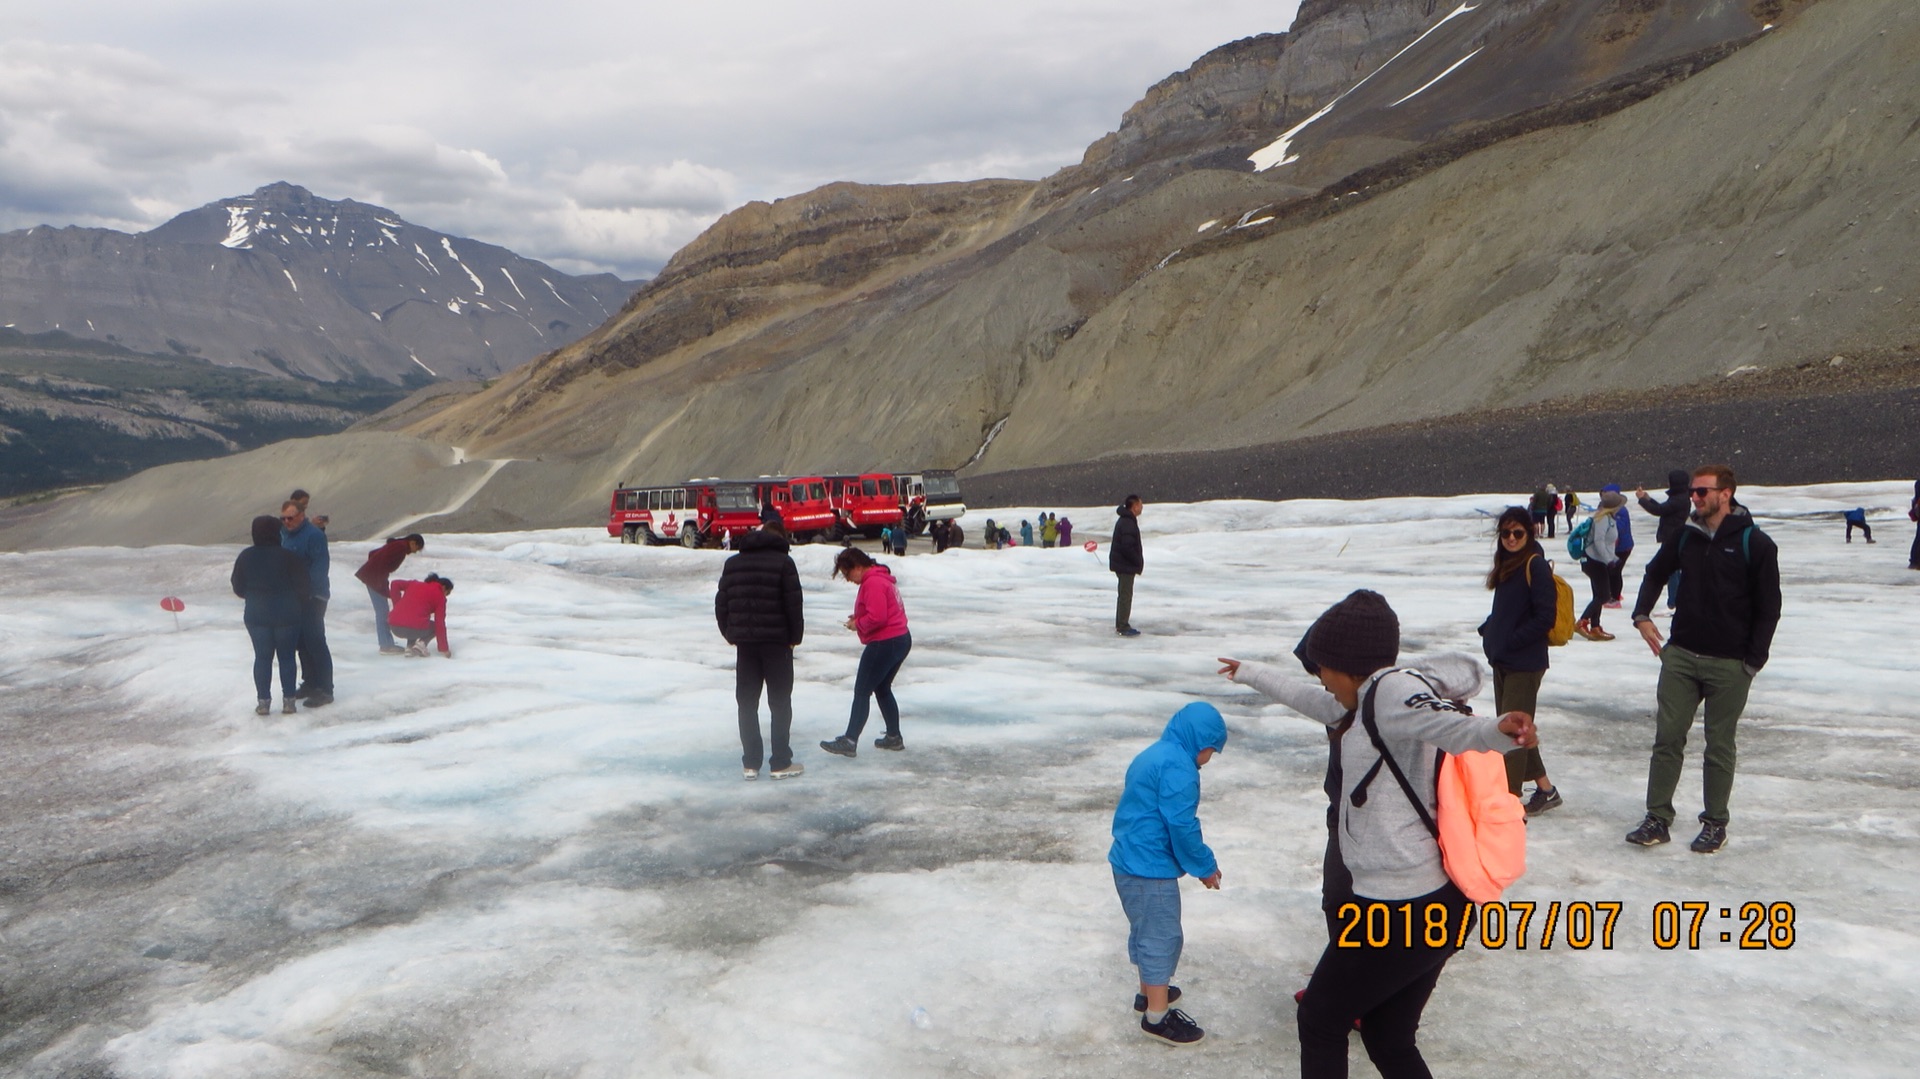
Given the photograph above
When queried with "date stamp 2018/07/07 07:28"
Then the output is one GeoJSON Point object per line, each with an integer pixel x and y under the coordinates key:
{"type": "Point", "coordinates": [1578, 924]}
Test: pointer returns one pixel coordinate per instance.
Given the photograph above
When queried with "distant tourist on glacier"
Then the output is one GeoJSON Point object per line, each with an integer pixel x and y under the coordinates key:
{"type": "Point", "coordinates": [1514, 637]}
{"type": "Point", "coordinates": [762, 614]}
{"type": "Point", "coordinates": [993, 535]}
{"type": "Point", "coordinates": [1623, 546]}
{"type": "Point", "coordinates": [420, 613]}
{"type": "Point", "coordinates": [303, 538]}
{"type": "Point", "coordinates": [1722, 635]}
{"type": "Point", "coordinates": [1673, 516]}
{"type": "Point", "coordinates": [1066, 532]}
{"type": "Point", "coordinates": [1857, 518]}
{"type": "Point", "coordinates": [1026, 533]}
{"type": "Point", "coordinates": [1599, 554]}
{"type": "Point", "coordinates": [1542, 509]}
{"type": "Point", "coordinates": [1127, 560]}
{"type": "Point", "coordinates": [1913, 514]}
{"type": "Point", "coordinates": [1572, 503]}
{"type": "Point", "coordinates": [1156, 841]}
{"type": "Point", "coordinates": [1381, 846]}
{"type": "Point", "coordinates": [880, 619]}
{"type": "Point", "coordinates": [1049, 530]}
{"type": "Point", "coordinates": [381, 564]}
{"type": "Point", "coordinates": [274, 582]}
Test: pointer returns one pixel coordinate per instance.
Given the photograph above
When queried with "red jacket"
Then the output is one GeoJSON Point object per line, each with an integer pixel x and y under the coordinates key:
{"type": "Point", "coordinates": [878, 614]}
{"type": "Point", "coordinates": [381, 563]}
{"type": "Point", "coordinates": [419, 605]}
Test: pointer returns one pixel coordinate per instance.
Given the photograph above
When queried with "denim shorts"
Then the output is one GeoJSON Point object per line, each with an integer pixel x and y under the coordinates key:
{"type": "Point", "coordinates": [1153, 910]}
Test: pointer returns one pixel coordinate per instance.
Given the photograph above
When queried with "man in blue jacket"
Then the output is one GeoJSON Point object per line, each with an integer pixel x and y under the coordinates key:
{"type": "Point", "coordinates": [1156, 841]}
{"type": "Point", "coordinates": [302, 537]}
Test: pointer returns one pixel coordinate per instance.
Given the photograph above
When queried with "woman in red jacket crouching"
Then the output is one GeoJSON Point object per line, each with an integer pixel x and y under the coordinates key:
{"type": "Point", "coordinates": [420, 611]}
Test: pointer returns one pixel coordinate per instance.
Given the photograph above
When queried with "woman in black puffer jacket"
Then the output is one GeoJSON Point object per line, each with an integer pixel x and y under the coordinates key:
{"type": "Point", "coordinates": [275, 584]}
{"type": "Point", "coordinates": [1515, 639]}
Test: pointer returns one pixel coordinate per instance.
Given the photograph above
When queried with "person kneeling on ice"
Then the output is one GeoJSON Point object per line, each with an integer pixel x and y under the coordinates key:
{"type": "Point", "coordinates": [420, 612]}
{"type": "Point", "coordinates": [1156, 840]}
{"type": "Point", "coordinates": [1377, 836]}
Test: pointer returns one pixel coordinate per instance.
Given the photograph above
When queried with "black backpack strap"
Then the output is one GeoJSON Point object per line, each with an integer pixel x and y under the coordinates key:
{"type": "Point", "coordinates": [1386, 758]}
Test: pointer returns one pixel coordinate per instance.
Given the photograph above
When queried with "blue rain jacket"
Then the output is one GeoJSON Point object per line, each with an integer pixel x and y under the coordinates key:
{"type": "Point", "coordinates": [311, 545]}
{"type": "Point", "coordinates": [1156, 828]}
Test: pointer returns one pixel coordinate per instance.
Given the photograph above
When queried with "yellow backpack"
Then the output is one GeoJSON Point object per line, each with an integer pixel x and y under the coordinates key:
{"type": "Point", "coordinates": [1562, 630]}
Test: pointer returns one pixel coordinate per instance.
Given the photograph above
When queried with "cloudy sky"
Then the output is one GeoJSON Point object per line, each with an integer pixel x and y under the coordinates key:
{"type": "Point", "coordinates": [594, 134]}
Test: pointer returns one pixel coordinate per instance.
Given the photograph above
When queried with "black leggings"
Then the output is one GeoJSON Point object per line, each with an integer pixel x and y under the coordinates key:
{"type": "Point", "coordinates": [1602, 580]}
{"type": "Point", "coordinates": [1616, 574]}
{"type": "Point", "coordinates": [1385, 988]}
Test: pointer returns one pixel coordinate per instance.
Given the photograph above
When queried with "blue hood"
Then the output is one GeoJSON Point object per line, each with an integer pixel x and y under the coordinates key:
{"type": "Point", "coordinates": [1196, 727]}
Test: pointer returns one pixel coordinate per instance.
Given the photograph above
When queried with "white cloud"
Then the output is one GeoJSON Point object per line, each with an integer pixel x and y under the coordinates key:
{"type": "Point", "coordinates": [584, 132]}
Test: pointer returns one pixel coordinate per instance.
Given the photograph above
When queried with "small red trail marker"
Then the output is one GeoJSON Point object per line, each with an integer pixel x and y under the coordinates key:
{"type": "Point", "coordinates": [173, 605]}
{"type": "Point", "coordinates": [1091, 546]}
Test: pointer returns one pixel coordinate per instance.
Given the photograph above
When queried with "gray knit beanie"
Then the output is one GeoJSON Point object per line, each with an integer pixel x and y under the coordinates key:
{"type": "Point", "coordinates": [1358, 635]}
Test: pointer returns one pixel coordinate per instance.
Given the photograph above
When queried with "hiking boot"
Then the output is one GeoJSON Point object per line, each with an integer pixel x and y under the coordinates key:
{"type": "Point", "coordinates": [287, 708]}
{"type": "Point", "coordinates": [749, 774]}
{"type": "Point", "coordinates": [1713, 836]}
{"type": "Point", "coordinates": [1131, 632]}
{"type": "Point", "coordinates": [841, 746]}
{"type": "Point", "coordinates": [1595, 633]}
{"type": "Point", "coordinates": [1542, 801]}
{"type": "Point", "coordinates": [1651, 833]}
{"type": "Point", "coordinates": [319, 698]}
{"type": "Point", "coordinates": [1174, 1029]}
{"type": "Point", "coordinates": [889, 741]}
{"type": "Point", "coordinates": [263, 707]}
{"type": "Point", "coordinates": [1140, 999]}
{"type": "Point", "coordinates": [1584, 629]}
{"type": "Point", "coordinates": [791, 770]}
{"type": "Point", "coordinates": [392, 650]}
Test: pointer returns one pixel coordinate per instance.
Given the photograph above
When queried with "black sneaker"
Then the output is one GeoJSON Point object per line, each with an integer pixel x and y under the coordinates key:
{"type": "Point", "coordinates": [1175, 1029]}
{"type": "Point", "coordinates": [318, 698]}
{"type": "Point", "coordinates": [889, 741]}
{"type": "Point", "coordinates": [1140, 999]}
{"type": "Point", "coordinates": [1131, 632]}
{"type": "Point", "coordinates": [303, 693]}
{"type": "Point", "coordinates": [1541, 801]}
{"type": "Point", "coordinates": [1651, 833]}
{"type": "Point", "coordinates": [1712, 837]}
{"type": "Point", "coordinates": [841, 746]}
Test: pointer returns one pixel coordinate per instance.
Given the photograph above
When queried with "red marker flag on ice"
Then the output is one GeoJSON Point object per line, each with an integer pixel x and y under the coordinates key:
{"type": "Point", "coordinates": [1091, 546]}
{"type": "Point", "coordinates": [173, 605]}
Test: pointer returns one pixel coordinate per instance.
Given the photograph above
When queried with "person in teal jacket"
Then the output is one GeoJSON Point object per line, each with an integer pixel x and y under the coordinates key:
{"type": "Point", "coordinates": [1156, 841]}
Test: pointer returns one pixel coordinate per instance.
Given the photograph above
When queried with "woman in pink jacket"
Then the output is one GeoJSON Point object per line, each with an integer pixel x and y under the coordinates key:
{"type": "Point", "coordinates": [420, 612]}
{"type": "Point", "coordinates": [881, 621]}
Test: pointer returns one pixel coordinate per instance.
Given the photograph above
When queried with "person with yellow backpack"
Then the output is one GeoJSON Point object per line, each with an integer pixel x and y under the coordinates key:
{"type": "Point", "coordinates": [1515, 636]}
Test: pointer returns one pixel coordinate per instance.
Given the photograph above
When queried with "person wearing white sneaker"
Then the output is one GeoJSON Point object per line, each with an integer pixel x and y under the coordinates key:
{"type": "Point", "coordinates": [420, 613]}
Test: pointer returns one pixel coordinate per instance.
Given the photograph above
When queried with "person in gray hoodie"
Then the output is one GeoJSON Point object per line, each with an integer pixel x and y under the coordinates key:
{"type": "Point", "coordinates": [1597, 563]}
{"type": "Point", "coordinates": [1376, 836]}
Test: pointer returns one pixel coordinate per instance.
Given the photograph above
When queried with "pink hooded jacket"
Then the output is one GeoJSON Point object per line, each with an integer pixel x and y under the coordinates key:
{"type": "Point", "coordinates": [878, 614]}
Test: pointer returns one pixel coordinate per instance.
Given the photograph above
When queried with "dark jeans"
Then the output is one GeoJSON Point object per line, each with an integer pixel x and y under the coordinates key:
{"type": "Point", "coordinates": [1123, 608]}
{"type": "Point", "coordinates": [268, 642]}
{"type": "Point", "coordinates": [1385, 988]}
{"type": "Point", "coordinates": [879, 662]}
{"type": "Point", "coordinates": [769, 664]}
{"type": "Point", "coordinates": [1602, 580]}
{"type": "Point", "coordinates": [1519, 691]}
{"type": "Point", "coordinates": [1614, 574]}
{"type": "Point", "coordinates": [1913, 556]}
{"type": "Point", "coordinates": [316, 660]}
{"type": "Point", "coordinates": [1862, 526]}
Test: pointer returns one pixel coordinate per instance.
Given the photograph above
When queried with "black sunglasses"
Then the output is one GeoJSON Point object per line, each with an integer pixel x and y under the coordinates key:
{"type": "Point", "coordinates": [1702, 492]}
{"type": "Point", "coordinates": [1521, 532]}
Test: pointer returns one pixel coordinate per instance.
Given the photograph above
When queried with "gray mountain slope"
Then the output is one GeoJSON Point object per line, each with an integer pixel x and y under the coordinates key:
{"type": "Point", "coordinates": [1757, 213]}
{"type": "Point", "coordinates": [284, 281]}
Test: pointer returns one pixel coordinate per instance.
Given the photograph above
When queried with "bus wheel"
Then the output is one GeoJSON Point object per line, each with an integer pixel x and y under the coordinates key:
{"type": "Point", "coordinates": [627, 535]}
{"type": "Point", "coordinates": [690, 536]}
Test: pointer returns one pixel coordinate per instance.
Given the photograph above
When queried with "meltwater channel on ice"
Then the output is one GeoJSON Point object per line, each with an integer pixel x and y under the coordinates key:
{"type": "Point", "coordinates": [539, 859]}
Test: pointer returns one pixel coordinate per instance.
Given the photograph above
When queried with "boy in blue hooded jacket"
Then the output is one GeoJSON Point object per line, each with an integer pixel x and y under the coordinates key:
{"type": "Point", "coordinates": [1156, 841]}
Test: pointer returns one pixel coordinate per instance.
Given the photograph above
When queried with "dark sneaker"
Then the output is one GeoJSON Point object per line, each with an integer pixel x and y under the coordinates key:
{"type": "Point", "coordinates": [1131, 632]}
{"type": "Point", "coordinates": [1651, 833]}
{"type": "Point", "coordinates": [889, 741]}
{"type": "Point", "coordinates": [302, 693]}
{"type": "Point", "coordinates": [1541, 801]}
{"type": "Point", "coordinates": [791, 770]}
{"type": "Point", "coordinates": [318, 698]}
{"type": "Point", "coordinates": [287, 707]}
{"type": "Point", "coordinates": [263, 707]}
{"type": "Point", "coordinates": [1140, 999]}
{"type": "Point", "coordinates": [1175, 1029]}
{"type": "Point", "coordinates": [1712, 837]}
{"type": "Point", "coordinates": [841, 746]}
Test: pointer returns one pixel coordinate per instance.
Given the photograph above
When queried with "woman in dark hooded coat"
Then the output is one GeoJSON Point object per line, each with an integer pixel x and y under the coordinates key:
{"type": "Point", "coordinates": [274, 582]}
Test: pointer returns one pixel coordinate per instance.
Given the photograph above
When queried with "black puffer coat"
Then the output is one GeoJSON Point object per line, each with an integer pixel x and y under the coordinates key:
{"type": "Point", "coordinates": [759, 600]}
{"type": "Point", "coordinates": [1515, 633]}
{"type": "Point", "coordinates": [1673, 512]}
{"type": "Point", "coordinates": [1123, 551]}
